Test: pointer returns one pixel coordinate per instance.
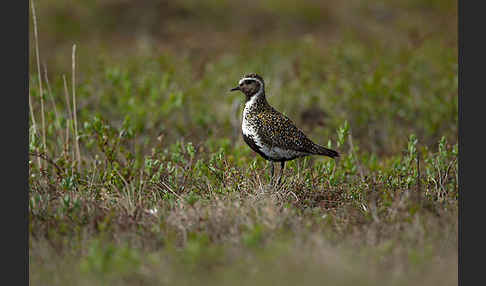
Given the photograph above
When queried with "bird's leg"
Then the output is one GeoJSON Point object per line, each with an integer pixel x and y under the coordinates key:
{"type": "Point", "coordinates": [282, 165]}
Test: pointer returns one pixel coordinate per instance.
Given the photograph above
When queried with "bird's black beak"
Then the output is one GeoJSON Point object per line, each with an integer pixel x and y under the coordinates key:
{"type": "Point", "coordinates": [236, 88]}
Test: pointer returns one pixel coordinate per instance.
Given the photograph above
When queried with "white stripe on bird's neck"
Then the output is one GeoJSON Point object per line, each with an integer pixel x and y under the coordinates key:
{"type": "Point", "coordinates": [246, 125]}
{"type": "Point", "coordinates": [250, 103]}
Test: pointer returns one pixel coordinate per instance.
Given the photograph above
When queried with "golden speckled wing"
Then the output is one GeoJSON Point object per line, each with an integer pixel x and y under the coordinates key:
{"type": "Point", "coordinates": [277, 130]}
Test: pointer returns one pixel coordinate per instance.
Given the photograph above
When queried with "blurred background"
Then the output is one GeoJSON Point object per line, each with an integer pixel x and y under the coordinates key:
{"type": "Point", "coordinates": [165, 67]}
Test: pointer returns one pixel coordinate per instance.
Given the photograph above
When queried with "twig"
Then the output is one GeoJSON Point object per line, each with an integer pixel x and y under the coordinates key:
{"type": "Point", "coordinates": [419, 194]}
{"type": "Point", "coordinates": [186, 173]}
{"type": "Point", "coordinates": [93, 176]}
{"type": "Point", "coordinates": [49, 160]}
{"type": "Point", "coordinates": [36, 40]}
{"type": "Point", "coordinates": [141, 182]}
{"type": "Point", "coordinates": [446, 175]}
{"type": "Point", "coordinates": [169, 189]}
{"type": "Point", "coordinates": [76, 141]}
{"type": "Point", "coordinates": [439, 186]}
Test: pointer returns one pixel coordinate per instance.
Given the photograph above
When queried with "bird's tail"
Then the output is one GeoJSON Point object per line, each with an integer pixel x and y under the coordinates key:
{"type": "Point", "coordinates": [326, 152]}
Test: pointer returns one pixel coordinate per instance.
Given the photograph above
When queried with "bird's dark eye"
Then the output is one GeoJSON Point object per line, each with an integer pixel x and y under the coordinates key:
{"type": "Point", "coordinates": [248, 81]}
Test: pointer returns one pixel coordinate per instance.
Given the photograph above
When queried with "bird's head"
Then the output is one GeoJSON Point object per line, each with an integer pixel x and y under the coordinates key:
{"type": "Point", "coordinates": [251, 84]}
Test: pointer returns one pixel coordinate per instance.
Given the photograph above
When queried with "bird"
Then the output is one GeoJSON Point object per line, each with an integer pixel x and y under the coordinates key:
{"type": "Point", "coordinates": [270, 133]}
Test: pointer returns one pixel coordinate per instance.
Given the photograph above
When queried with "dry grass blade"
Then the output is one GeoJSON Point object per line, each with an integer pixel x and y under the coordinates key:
{"type": "Point", "coordinates": [36, 41]}
{"type": "Point", "coordinates": [76, 137]}
{"type": "Point", "coordinates": [355, 157]}
{"type": "Point", "coordinates": [66, 93]}
{"type": "Point", "coordinates": [68, 104]}
{"type": "Point", "coordinates": [34, 125]}
{"type": "Point", "coordinates": [32, 117]}
{"type": "Point", "coordinates": [51, 97]}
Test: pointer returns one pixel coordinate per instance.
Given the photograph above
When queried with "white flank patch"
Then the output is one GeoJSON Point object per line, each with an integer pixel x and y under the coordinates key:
{"type": "Point", "coordinates": [279, 153]}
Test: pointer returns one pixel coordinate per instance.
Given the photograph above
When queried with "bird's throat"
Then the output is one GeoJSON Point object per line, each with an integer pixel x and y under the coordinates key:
{"type": "Point", "coordinates": [255, 101]}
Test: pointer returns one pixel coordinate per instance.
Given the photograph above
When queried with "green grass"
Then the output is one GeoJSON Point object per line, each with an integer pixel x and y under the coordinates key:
{"type": "Point", "coordinates": [166, 191]}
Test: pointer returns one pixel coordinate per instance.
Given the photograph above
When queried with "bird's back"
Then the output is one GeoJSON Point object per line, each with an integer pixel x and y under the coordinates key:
{"type": "Point", "coordinates": [279, 131]}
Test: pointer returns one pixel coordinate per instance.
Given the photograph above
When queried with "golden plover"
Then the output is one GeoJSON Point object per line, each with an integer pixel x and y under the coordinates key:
{"type": "Point", "coordinates": [270, 133]}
